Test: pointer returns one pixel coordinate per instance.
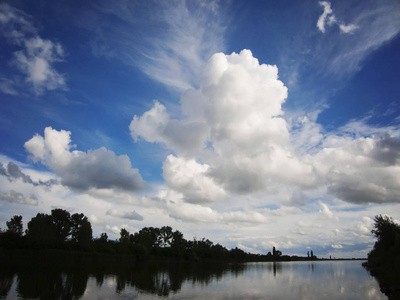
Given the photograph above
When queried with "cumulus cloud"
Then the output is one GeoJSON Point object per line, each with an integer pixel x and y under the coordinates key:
{"type": "Point", "coordinates": [190, 178]}
{"type": "Point", "coordinates": [243, 145]}
{"type": "Point", "coordinates": [132, 215]}
{"type": "Point", "coordinates": [241, 142]}
{"type": "Point", "coordinates": [155, 126]}
{"type": "Point", "coordinates": [36, 56]}
{"type": "Point", "coordinates": [176, 206]}
{"type": "Point", "coordinates": [364, 226]}
{"type": "Point", "coordinates": [100, 168]}
{"type": "Point", "coordinates": [328, 19]}
{"type": "Point", "coordinates": [360, 170]}
{"type": "Point", "coordinates": [16, 197]}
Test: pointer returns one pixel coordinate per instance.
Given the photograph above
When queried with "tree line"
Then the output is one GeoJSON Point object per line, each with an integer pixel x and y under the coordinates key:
{"type": "Point", "coordinates": [384, 259]}
{"type": "Point", "coordinates": [61, 230]}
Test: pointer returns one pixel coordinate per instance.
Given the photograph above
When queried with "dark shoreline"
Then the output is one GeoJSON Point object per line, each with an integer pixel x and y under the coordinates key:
{"type": "Point", "coordinates": [22, 257]}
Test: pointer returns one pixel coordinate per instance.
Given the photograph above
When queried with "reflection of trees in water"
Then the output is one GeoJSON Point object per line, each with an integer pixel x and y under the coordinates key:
{"type": "Point", "coordinates": [273, 267]}
{"type": "Point", "coordinates": [163, 279]}
{"type": "Point", "coordinates": [49, 282]}
{"type": "Point", "coordinates": [6, 281]}
{"type": "Point", "coordinates": [311, 267]}
{"type": "Point", "coordinates": [41, 279]}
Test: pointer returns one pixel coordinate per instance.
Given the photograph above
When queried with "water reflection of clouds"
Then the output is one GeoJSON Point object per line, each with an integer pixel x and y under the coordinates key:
{"type": "Point", "coordinates": [288, 280]}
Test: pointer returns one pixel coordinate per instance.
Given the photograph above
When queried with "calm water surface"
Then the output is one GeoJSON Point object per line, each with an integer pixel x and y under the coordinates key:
{"type": "Point", "coordinates": [286, 280]}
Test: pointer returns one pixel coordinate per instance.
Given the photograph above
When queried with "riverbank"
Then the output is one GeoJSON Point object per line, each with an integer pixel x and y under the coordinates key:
{"type": "Point", "coordinates": [24, 257]}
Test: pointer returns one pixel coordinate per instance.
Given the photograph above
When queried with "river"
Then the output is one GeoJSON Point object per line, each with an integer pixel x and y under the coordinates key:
{"type": "Point", "coordinates": [267, 280]}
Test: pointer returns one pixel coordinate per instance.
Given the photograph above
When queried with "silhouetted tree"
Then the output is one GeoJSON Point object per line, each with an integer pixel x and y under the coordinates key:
{"type": "Point", "coordinates": [41, 230]}
{"type": "Point", "coordinates": [123, 236]}
{"type": "Point", "coordinates": [148, 237]}
{"type": "Point", "coordinates": [15, 226]}
{"type": "Point", "coordinates": [102, 244]}
{"type": "Point", "coordinates": [384, 258]}
{"type": "Point", "coordinates": [63, 230]}
{"type": "Point", "coordinates": [63, 223]}
{"type": "Point", "coordinates": [104, 237]}
{"type": "Point", "coordinates": [385, 230]}
{"type": "Point", "coordinates": [237, 254]}
{"type": "Point", "coordinates": [81, 230]}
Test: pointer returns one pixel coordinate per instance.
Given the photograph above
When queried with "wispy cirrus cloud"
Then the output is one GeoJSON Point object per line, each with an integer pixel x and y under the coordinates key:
{"type": "Point", "coordinates": [336, 43]}
{"type": "Point", "coordinates": [193, 34]}
{"type": "Point", "coordinates": [372, 25]}
{"type": "Point", "coordinates": [175, 40]}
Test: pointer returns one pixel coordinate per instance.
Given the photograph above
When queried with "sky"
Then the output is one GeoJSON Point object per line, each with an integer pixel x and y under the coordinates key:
{"type": "Point", "coordinates": [251, 123]}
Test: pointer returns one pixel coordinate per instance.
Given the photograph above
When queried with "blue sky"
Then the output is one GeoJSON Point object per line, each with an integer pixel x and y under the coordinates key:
{"type": "Point", "coordinates": [252, 123]}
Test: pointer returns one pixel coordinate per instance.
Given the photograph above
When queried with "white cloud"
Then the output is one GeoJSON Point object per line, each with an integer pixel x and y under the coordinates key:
{"type": "Point", "coordinates": [328, 18]}
{"type": "Point", "coordinates": [347, 28]}
{"type": "Point", "coordinates": [36, 57]}
{"type": "Point", "coordinates": [244, 223]}
{"type": "Point", "coordinates": [241, 142]}
{"type": "Point", "coordinates": [364, 226]}
{"type": "Point", "coordinates": [360, 170]}
{"type": "Point", "coordinates": [326, 212]}
{"type": "Point", "coordinates": [244, 146]}
{"type": "Point", "coordinates": [100, 168]}
{"type": "Point", "coordinates": [177, 208]}
{"type": "Point", "coordinates": [190, 178]}
{"type": "Point", "coordinates": [155, 126]}
{"type": "Point", "coordinates": [36, 62]}
{"type": "Point", "coordinates": [323, 18]}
